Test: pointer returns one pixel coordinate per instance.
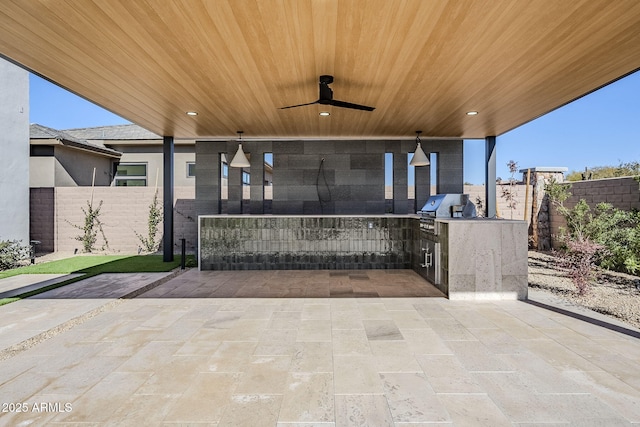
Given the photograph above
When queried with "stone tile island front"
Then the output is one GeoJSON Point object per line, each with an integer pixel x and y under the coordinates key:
{"type": "Point", "coordinates": [477, 259]}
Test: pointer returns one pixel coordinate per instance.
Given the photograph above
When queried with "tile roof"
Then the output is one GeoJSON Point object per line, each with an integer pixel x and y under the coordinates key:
{"type": "Point", "coordinates": [37, 131]}
{"type": "Point", "coordinates": [117, 132]}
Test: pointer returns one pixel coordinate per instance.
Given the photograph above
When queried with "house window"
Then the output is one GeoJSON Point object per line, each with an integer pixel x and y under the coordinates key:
{"type": "Point", "coordinates": [41, 151]}
{"type": "Point", "coordinates": [246, 178]}
{"type": "Point", "coordinates": [131, 175]}
{"type": "Point", "coordinates": [191, 169]}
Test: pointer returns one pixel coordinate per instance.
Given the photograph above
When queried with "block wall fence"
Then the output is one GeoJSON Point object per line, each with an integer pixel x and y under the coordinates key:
{"type": "Point", "coordinates": [125, 210]}
{"type": "Point", "coordinates": [623, 193]}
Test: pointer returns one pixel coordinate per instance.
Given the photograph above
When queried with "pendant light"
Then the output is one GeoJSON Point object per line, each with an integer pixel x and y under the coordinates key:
{"type": "Point", "coordinates": [240, 160]}
{"type": "Point", "coordinates": [419, 158]}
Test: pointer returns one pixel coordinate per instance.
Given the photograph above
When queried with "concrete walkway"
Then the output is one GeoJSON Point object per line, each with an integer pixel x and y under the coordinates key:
{"type": "Point", "coordinates": [23, 283]}
{"type": "Point", "coordinates": [176, 356]}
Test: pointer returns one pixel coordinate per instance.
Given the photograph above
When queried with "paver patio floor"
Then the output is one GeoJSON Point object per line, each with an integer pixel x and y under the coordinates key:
{"type": "Point", "coordinates": [356, 355]}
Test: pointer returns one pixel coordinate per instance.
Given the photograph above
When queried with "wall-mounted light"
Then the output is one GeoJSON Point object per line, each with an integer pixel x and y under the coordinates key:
{"type": "Point", "coordinates": [192, 113]}
{"type": "Point", "coordinates": [472, 113]}
{"type": "Point", "coordinates": [240, 159]}
{"type": "Point", "coordinates": [325, 113]}
{"type": "Point", "coordinates": [419, 158]}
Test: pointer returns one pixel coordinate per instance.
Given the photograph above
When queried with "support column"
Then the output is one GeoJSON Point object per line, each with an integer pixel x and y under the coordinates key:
{"type": "Point", "coordinates": [208, 177]}
{"type": "Point", "coordinates": [256, 191]}
{"type": "Point", "coordinates": [423, 186]}
{"type": "Point", "coordinates": [167, 152]}
{"type": "Point", "coordinates": [400, 182]}
{"type": "Point", "coordinates": [490, 176]}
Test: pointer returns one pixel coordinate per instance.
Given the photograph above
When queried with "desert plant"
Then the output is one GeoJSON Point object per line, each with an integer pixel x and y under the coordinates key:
{"type": "Point", "coordinates": [617, 232]}
{"type": "Point", "coordinates": [508, 191]}
{"type": "Point", "coordinates": [579, 259]}
{"type": "Point", "coordinates": [11, 253]}
{"type": "Point", "coordinates": [149, 242]}
{"type": "Point", "coordinates": [90, 229]}
{"type": "Point", "coordinates": [558, 193]}
{"type": "Point", "coordinates": [480, 206]}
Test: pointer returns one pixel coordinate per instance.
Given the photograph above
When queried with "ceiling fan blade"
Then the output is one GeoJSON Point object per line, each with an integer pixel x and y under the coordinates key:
{"type": "Point", "coordinates": [343, 104]}
{"type": "Point", "coordinates": [299, 105]}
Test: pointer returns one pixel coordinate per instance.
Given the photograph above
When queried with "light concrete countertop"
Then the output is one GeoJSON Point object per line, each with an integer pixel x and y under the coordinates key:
{"type": "Point", "coordinates": [479, 220]}
{"type": "Point", "coordinates": [249, 216]}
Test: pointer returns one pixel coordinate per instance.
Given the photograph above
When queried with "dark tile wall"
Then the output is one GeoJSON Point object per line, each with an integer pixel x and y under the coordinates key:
{"type": "Point", "coordinates": [325, 177]}
{"type": "Point", "coordinates": [306, 243]}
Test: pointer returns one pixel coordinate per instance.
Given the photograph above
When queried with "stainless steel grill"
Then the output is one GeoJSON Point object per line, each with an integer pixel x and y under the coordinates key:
{"type": "Point", "coordinates": [440, 206]}
{"type": "Point", "coordinates": [437, 206]}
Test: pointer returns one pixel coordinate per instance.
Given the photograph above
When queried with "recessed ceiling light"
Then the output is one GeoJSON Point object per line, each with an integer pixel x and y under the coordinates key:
{"type": "Point", "coordinates": [192, 113]}
{"type": "Point", "coordinates": [472, 113]}
{"type": "Point", "coordinates": [325, 113]}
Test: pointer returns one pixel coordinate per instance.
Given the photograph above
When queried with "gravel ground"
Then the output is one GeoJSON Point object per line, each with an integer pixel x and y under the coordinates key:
{"type": "Point", "coordinates": [614, 294]}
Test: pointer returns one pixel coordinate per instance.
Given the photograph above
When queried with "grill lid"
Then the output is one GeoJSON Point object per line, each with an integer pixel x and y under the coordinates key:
{"type": "Point", "coordinates": [433, 203]}
{"type": "Point", "coordinates": [439, 205]}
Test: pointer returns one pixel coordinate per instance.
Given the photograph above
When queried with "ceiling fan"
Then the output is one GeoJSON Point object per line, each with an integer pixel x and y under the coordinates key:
{"type": "Point", "coordinates": [326, 98]}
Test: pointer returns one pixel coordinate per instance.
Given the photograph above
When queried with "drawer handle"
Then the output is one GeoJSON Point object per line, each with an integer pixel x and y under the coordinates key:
{"type": "Point", "coordinates": [428, 258]}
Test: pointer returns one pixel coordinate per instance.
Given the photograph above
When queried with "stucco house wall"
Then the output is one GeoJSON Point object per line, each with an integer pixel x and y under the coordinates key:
{"type": "Point", "coordinates": [42, 172]}
{"type": "Point", "coordinates": [14, 159]}
{"type": "Point", "coordinates": [75, 168]}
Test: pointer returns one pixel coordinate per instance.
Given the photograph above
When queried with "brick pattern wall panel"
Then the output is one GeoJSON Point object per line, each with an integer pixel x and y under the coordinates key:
{"type": "Point", "coordinates": [42, 218]}
{"type": "Point", "coordinates": [124, 212]}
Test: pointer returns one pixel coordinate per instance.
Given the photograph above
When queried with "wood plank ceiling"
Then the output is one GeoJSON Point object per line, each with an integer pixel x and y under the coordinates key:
{"type": "Point", "coordinates": [422, 63]}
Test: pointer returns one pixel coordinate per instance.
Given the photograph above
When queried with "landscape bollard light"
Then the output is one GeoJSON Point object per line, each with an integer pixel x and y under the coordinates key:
{"type": "Point", "coordinates": [32, 252]}
{"type": "Point", "coordinates": [182, 261]}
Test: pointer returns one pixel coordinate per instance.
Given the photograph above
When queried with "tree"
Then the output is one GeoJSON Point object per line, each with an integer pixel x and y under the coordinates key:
{"type": "Point", "coordinates": [508, 192]}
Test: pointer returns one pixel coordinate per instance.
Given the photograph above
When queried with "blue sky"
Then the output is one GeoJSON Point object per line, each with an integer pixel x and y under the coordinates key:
{"type": "Point", "coordinates": [602, 128]}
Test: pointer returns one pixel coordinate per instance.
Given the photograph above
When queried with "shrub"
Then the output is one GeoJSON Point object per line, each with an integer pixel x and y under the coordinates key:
{"type": "Point", "coordinates": [90, 229]}
{"type": "Point", "coordinates": [599, 172]}
{"type": "Point", "coordinates": [11, 253]}
{"type": "Point", "coordinates": [617, 232]}
{"type": "Point", "coordinates": [579, 259]}
{"type": "Point", "coordinates": [149, 243]}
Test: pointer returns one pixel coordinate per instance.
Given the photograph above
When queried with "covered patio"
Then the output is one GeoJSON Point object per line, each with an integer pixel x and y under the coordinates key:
{"type": "Point", "coordinates": [205, 70]}
{"type": "Point", "coordinates": [238, 348]}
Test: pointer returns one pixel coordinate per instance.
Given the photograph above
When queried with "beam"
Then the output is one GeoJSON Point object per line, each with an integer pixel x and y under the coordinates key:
{"type": "Point", "coordinates": [490, 176]}
{"type": "Point", "coordinates": [167, 152]}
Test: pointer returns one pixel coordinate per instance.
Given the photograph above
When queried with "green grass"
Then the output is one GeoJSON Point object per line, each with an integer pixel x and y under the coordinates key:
{"type": "Point", "coordinates": [92, 266]}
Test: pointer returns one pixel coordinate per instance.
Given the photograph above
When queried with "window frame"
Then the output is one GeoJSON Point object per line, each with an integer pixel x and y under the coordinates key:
{"type": "Point", "coordinates": [194, 170]}
{"type": "Point", "coordinates": [144, 177]}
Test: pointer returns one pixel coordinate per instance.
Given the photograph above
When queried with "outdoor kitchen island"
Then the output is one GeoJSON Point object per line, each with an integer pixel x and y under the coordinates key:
{"type": "Point", "coordinates": [481, 258]}
{"type": "Point", "coordinates": [466, 259]}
